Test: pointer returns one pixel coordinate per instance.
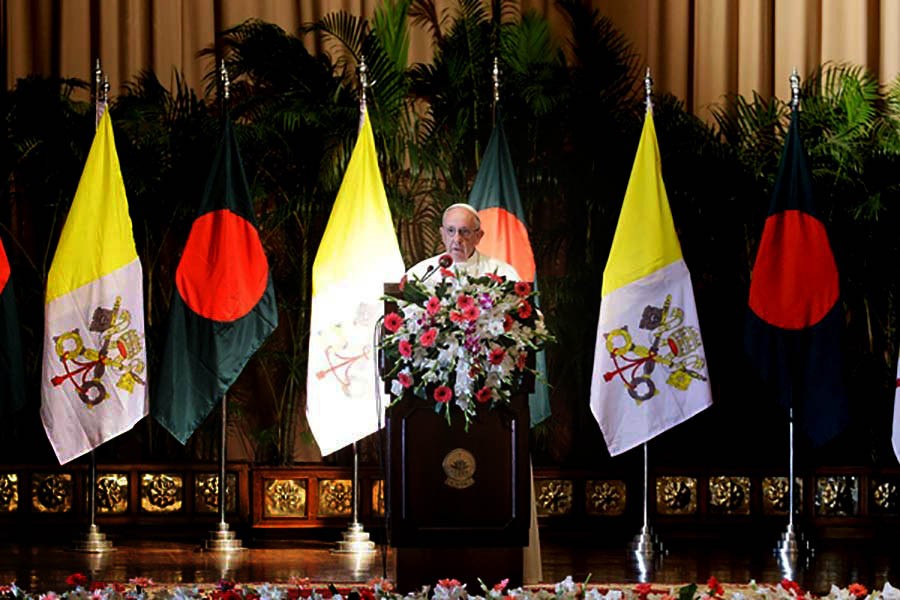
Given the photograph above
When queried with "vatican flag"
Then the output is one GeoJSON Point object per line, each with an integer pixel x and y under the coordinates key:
{"type": "Point", "coordinates": [357, 256]}
{"type": "Point", "coordinates": [649, 363]}
{"type": "Point", "coordinates": [94, 379]}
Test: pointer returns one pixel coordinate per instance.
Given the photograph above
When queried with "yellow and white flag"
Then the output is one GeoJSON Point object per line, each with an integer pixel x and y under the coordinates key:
{"type": "Point", "coordinates": [358, 254]}
{"type": "Point", "coordinates": [649, 363]}
{"type": "Point", "coordinates": [94, 379]}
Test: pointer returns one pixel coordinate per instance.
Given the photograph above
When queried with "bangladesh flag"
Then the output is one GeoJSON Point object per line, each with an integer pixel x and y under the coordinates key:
{"type": "Point", "coordinates": [495, 195]}
{"type": "Point", "coordinates": [794, 322]}
{"type": "Point", "coordinates": [12, 395]}
{"type": "Point", "coordinates": [223, 307]}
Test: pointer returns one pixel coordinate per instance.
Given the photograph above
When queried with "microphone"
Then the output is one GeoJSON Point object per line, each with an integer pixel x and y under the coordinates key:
{"type": "Point", "coordinates": [443, 262]}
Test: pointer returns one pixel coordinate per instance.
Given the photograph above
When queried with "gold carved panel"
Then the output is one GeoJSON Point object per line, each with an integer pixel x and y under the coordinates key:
{"type": "Point", "coordinates": [51, 492]}
{"type": "Point", "coordinates": [837, 496]}
{"type": "Point", "coordinates": [775, 495]}
{"type": "Point", "coordinates": [885, 496]}
{"type": "Point", "coordinates": [554, 497]}
{"type": "Point", "coordinates": [335, 498]}
{"type": "Point", "coordinates": [112, 492]}
{"type": "Point", "coordinates": [206, 492]}
{"type": "Point", "coordinates": [9, 492]}
{"type": "Point", "coordinates": [729, 495]}
{"type": "Point", "coordinates": [605, 497]}
{"type": "Point", "coordinates": [162, 492]}
{"type": "Point", "coordinates": [285, 498]}
{"type": "Point", "coordinates": [378, 498]}
{"type": "Point", "coordinates": [676, 495]}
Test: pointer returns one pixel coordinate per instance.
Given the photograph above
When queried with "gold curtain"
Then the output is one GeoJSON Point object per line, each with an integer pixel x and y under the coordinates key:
{"type": "Point", "coordinates": [699, 50]}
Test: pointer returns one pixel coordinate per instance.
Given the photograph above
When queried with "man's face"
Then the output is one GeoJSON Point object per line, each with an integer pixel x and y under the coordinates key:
{"type": "Point", "coordinates": [460, 233]}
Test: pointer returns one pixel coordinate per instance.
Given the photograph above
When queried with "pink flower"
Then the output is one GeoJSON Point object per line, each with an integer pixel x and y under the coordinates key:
{"type": "Point", "coordinates": [433, 305]}
{"type": "Point", "coordinates": [522, 288]}
{"type": "Point", "coordinates": [484, 395]}
{"type": "Point", "coordinates": [471, 313]}
{"type": "Point", "coordinates": [427, 338]}
{"type": "Point", "coordinates": [443, 394]}
{"type": "Point", "coordinates": [405, 379]}
{"type": "Point", "coordinates": [464, 301]}
{"type": "Point", "coordinates": [392, 322]}
{"type": "Point", "coordinates": [497, 355]}
{"type": "Point", "coordinates": [405, 348]}
{"type": "Point", "coordinates": [456, 316]}
{"type": "Point", "coordinates": [499, 587]}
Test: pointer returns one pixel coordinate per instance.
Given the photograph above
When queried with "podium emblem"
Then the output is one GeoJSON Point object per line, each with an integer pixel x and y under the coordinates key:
{"type": "Point", "coordinates": [459, 466]}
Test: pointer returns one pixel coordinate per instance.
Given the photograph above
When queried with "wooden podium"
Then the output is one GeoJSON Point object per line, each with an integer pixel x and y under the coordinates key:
{"type": "Point", "coordinates": [458, 503]}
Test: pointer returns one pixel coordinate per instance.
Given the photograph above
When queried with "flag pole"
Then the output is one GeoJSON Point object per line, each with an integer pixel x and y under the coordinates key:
{"type": "Point", "coordinates": [787, 548]}
{"type": "Point", "coordinates": [645, 545]}
{"type": "Point", "coordinates": [95, 542]}
{"type": "Point", "coordinates": [356, 538]}
{"type": "Point", "coordinates": [223, 539]}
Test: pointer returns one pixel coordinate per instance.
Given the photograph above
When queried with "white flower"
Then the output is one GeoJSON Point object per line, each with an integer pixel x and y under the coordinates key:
{"type": "Point", "coordinates": [890, 592]}
{"type": "Point", "coordinates": [564, 586]}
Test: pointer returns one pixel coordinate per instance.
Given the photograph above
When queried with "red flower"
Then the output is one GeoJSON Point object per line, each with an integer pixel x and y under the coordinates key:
{"type": "Point", "coordinates": [392, 322]}
{"type": "Point", "coordinates": [405, 379]}
{"type": "Point", "coordinates": [858, 590]}
{"type": "Point", "coordinates": [507, 322]}
{"type": "Point", "coordinates": [402, 283]}
{"type": "Point", "coordinates": [464, 301]}
{"type": "Point", "coordinates": [522, 288]}
{"type": "Point", "coordinates": [484, 395]}
{"type": "Point", "coordinates": [448, 583]}
{"type": "Point", "coordinates": [715, 589]}
{"type": "Point", "coordinates": [471, 313]}
{"type": "Point", "coordinates": [497, 355]}
{"type": "Point", "coordinates": [446, 272]}
{"type": "Point", "coordinates": [405, 348]}
{"type": "Point", "coordinates": [427, 338]}
{"type": "Point", "coordinates": [497, 279]}
{"type": "Point", "coordinates": [76, 579]}
{"type": "Point", "coordinates": [642, 589]}
{"type": "Point", "coordinates": [456, 316]}
{"type": "Point", "coordinates": [521, 360]}
{"type": "Point", "coordinates": [524, 309]}
{"type": "Point", "coordinates": [433, 305]}
{"type": "Point", "coordinates": [367, 594]}
{"type": "Point", "coordinates": [499, 587]}
{"type": "Point", "coordinates": [791, 586]}
{"type": "Point", "coordinates": [443, 394]}
{"type": "Point", "coordinates": [95, 585]}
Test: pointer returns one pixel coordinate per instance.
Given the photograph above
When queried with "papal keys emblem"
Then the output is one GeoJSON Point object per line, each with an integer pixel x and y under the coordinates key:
{"type": "Point", "coordinates": [118, 353]}
{"type": "Point", "coordinates": [670, 343]}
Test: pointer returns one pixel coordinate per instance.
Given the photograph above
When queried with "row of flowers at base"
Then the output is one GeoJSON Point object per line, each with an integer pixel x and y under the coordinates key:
{"type": "Point", "coordinates": [142, 588]}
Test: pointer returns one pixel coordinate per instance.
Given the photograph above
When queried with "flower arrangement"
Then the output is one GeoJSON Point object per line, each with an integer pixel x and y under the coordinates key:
{"type": "Point", "coordinates": [142, 588]}
{"type": "Point", "coordinates": [462, 340]}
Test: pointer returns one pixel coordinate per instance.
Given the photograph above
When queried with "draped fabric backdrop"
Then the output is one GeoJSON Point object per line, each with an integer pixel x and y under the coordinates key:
{"type": "Point", "coordinates": [699, 50]}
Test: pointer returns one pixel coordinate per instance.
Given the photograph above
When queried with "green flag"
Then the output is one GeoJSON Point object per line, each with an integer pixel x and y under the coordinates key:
{"type": "Point", "coordinates": [12, 395]}
{"type": "Point", "coordinates": [223, 307]}
{"type": "Point", "coordinates": [495, 196]}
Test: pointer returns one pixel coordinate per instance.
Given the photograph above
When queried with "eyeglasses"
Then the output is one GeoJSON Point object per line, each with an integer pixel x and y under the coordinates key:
{"type": "Point", "coordinates": [463, 232]}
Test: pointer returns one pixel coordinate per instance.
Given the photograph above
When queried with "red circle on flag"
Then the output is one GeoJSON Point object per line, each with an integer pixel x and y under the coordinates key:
{"type": "Point", "coordinates": [506, 238]}
{"type": "Point", "coordinates": [4, 268]}
{"type": "Point", "coordinates": [223, 271]}
{"type": "Point", "coordinates": [795, 278]}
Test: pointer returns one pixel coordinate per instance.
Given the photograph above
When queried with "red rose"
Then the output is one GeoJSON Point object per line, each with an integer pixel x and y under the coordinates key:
{"type": "Point", "coordinates": [858, 590]}
{"type": "Point", "coordinates": [524, 309]}
{"type": "Point", "coordinates": [427, 338]}
{"type": "Point", "coordinates": [471, 313]}
{"type": "Point", "coordinates": [484, 395]}
{"type": "Point", "coordinates": [76, 579]}
{"type": "Point", "coordinates": [433, 305]}
{"type": "Point", "coordinates": [405, 379]}
{"type": "Point", "coordinates": [497, 355]}
{"type": "Point", "coordinates": [443, 394]}
{"type": "Point", "coordinates": [522, 288]}
{"type": "Point", "coordinates": [392, 322]}
{"type": "Point", "coordinates": [464, 301]}
{"type": "Point", "coordinates": [405, 348]}
{"type": "Point", "coordinates": [456, 316]}
{"type": "Point", "coordinates": [507, 322]}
